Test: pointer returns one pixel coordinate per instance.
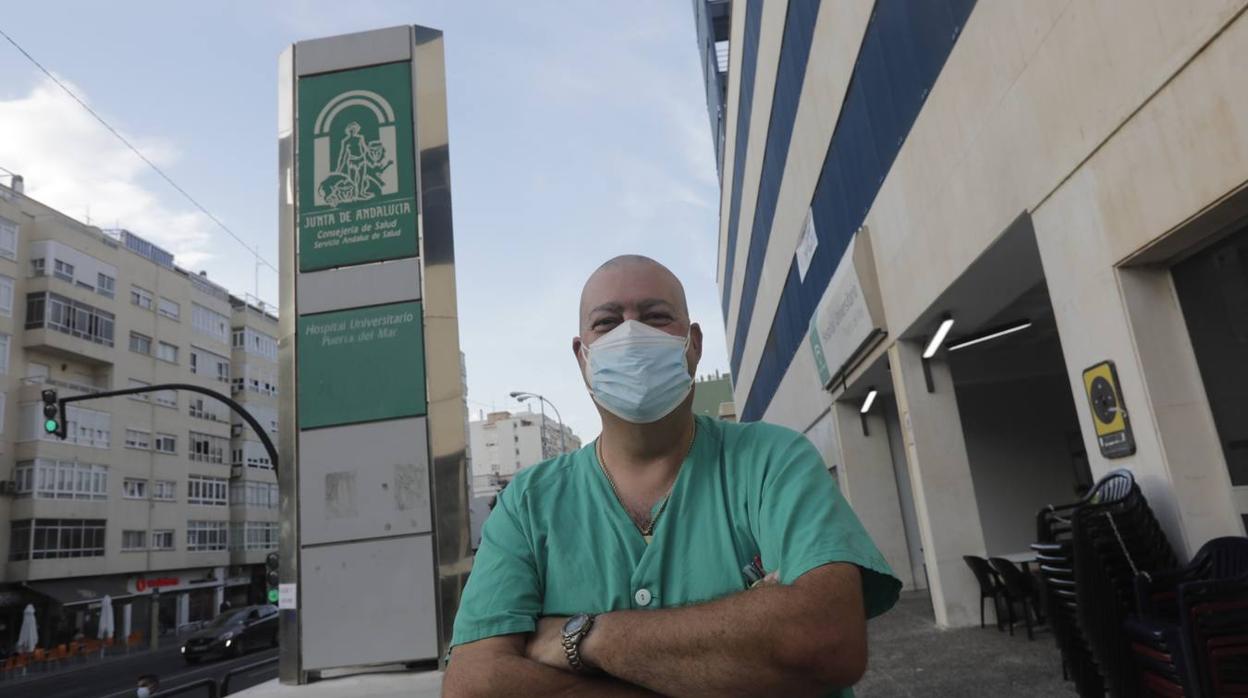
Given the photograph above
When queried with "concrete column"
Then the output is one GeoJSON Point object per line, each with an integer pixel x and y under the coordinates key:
{"type": "Point", "coordinates": [940, 473]}
{"type": "Point", "coordinates": [184, 610]}
{"type": "Point", "coordinates": [126, 612]}
{"type": "Point", "coordinates": [153, 620]}
{"type": "Point", "coordinates": [867, 481]}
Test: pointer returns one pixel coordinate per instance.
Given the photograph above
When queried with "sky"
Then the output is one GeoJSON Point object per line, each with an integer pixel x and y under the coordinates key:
{"type": "Point", "coordinates": [579, 131]}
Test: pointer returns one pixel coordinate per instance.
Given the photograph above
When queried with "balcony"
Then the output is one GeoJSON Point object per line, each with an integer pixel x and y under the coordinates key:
{"type": "Point", "coordinates": [61, 326]}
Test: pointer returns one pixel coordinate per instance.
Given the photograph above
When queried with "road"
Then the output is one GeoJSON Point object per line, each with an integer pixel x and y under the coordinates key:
{"type": "Point", "coordinates": [115, 678]}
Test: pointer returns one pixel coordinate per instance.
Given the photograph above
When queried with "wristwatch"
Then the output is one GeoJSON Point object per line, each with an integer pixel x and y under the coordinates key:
{"type": "Point", "coordinates": [575, 630]}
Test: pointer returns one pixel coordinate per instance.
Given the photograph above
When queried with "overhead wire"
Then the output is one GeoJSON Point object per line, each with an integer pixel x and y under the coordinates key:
{"type": "Point", "coordinates": [137, 152]}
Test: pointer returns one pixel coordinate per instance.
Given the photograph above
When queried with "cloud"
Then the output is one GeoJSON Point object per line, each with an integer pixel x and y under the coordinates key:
{"type": "Point", "coordinates": [73, 164]}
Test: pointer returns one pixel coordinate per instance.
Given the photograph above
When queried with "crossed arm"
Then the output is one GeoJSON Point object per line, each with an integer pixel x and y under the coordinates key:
{"type": "Point", "coordinates": [798, 639]}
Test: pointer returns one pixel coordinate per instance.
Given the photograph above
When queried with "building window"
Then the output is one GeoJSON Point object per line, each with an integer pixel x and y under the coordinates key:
{"type": "Point", "coordinates": [168, 308]}
{"type": "Point", "coordinates": [166, 443]}
{"type": "Point", "coordinates": [162, 539]}
{"type": "Point", "coordinates": [209, 491]}
{"type": "Point", "coordinates": [6, 295]}
{"type": "Point", "coordinates": [136, 383]}
{"type": "Point", "coordinates": [134, 488]}
{"type": "Point", "coordinates": [44, 478]}
{"type": "Point", "coordinates": [262, 495]}
{"type": "Point", "coordinates": [140, 344]}
{"type": "Point", "coordinates": [133, 540]}
{"type": "Point", "coordinates": [205, 536]}
{"type": "Point", "coordinates": [257, 379]}
{"type": "Point", "coordinates": [167, 352]}
{"type": "Point", "coordinates": [210, 322]}
{"type": "Point", "coordinates": [205, 408]}
{"type": "Point", "coordinates": [8, 238]}
{"type": "Point", "coordinates": [253, 535]}
{"type": "Point", "coordinates": [105, 285]}
{"type": "Point", "coordinates": [166, 398]}
{"type": "Point", "coordinates": [141, 297]}
{"type": "Point", "coordinates": [4, 353]}
{"type": "Point", "coordinates": [253, 342]}
{"type": "Point", "coordinates": [206, 448]}
{"type": "Point", "coordinates": [253, 455]}
{"type": "Point", "coordinates": [43, 539]}
{"type": "Point", "coordinates": [165, 490]}
{"type": "Point", "coordinates": [63, 270]}
{"type": "Point", "coordinates": [38, 266]}
{"type": "Point", "coordinates": [210, 364]}
{"type": "Point", "coordinates": [62, 314]}
{"type": "Point", "coordinates": [137, 438]}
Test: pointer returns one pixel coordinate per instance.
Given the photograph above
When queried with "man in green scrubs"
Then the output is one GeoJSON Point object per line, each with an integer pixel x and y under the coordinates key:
{"type": "Point", "coordinates": [635, 566]}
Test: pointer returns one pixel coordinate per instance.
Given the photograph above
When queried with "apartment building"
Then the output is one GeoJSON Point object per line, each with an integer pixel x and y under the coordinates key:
{"type": "Point", "coordinates": [157, 500]}
{"type": "Point", "coordinates": [504, 442]}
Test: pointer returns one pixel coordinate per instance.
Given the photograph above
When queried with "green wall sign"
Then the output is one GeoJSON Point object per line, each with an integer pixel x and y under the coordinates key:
{"type": "Point", "coordinates": [816, 347]}
{"type": "Point", "coordinates": [357, 176]}
{"type": "Point", "coordinates": [361, 365]}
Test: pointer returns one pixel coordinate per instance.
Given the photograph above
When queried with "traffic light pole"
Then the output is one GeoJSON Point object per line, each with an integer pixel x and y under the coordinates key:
{"type": "Point", "coordinates": [239, 409]}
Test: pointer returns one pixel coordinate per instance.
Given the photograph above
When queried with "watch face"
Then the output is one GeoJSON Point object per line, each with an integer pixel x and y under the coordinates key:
{"type": "Point", "coordinates": [575, 624]}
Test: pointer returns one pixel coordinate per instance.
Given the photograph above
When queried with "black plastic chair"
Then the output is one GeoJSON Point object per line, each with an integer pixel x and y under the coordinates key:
{"type": "Point", "coordinates": [1018, 588]}
{"type": "Point", "coordinates": [990, 586]}
{"type": "Point", "coordinates": [1168, 657]}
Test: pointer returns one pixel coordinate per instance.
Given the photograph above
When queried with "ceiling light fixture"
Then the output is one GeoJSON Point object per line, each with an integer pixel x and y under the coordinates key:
{"type": "Point", "coordinates": [938, 338]}
{"type": "Point", "coordinates": [991, 334]}
{"type": "Point", "coordinates": [866, 404]}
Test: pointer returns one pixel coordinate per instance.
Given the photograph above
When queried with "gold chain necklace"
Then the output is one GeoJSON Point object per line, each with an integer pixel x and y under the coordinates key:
{"type": "Point", "coordinates": [648, 530]}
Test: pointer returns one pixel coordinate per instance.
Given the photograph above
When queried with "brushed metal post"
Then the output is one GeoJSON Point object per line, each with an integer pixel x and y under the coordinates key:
{"type": "Point", "coordinates": [447, 449]}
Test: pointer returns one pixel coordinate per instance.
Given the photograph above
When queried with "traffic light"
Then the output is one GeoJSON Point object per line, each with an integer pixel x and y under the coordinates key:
{"type": "Point", "coordinates": [271, 563]}
{"type": "Point", "coordinates": [51, 413]}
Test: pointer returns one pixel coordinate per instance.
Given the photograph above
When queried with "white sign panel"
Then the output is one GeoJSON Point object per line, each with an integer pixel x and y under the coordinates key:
{"type": "Point", "coordinates": [842, 321]}
{"type": "Point", "coordinates": [806, 245]}
{"type": "Point", "coordinates": [286, 596]}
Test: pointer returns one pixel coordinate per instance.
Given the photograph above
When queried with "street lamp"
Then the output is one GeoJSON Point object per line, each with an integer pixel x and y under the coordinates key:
{"type": "Point", "coordinates": [523, 396]}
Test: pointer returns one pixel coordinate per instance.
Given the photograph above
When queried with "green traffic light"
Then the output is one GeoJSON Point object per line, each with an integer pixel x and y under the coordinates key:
{"type": "Point", "coordinates": [51, 426]}
{"type": "Point", "coordinates": [272, 595]}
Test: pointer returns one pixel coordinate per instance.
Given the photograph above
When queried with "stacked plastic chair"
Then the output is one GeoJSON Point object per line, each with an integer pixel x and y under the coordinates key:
{"type": "Point", "coordinates": [1113, 543]}
{"type": "Point", "coordinates": [1090, 553]}
{"type": "Point", "coordinates": [1191, 635]}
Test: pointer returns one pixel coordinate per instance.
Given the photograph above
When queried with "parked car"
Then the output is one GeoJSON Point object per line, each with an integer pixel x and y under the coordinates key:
{"type": "Point", "coordinates": [232, 633]}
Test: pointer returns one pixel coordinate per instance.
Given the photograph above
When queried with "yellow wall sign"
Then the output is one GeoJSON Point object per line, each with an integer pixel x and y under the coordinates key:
{"type": "Point", "coordinates": [1109, 413]}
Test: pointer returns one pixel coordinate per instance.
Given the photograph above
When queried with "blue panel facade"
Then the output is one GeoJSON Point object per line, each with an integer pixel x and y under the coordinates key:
{"type": "Point", "coordinates": [902, 53]}
{"type": "Point", "coordinates": [799, 29]}
{"type": "Point", "coordinates": [745, 103]}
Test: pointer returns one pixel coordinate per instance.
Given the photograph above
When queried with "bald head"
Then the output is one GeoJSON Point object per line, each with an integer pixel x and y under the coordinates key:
{"type": "Point", "coordinates": [628, 287]}
{"type": "Point", "coordinates": [633, 287]}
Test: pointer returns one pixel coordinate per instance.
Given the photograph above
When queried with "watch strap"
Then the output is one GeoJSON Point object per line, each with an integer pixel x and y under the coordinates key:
{"type": "Point", "coordinates": [572, 646]}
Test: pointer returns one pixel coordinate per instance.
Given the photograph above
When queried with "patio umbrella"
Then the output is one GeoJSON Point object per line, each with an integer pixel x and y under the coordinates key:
{"type": "Point", "coordinates": [28, 637]}
{"type": "Point", "coordinates": [106, 620]}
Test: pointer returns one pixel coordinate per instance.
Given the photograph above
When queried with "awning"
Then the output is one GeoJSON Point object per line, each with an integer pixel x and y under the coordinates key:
{"type": "Point", "coordinates": [14, 596]}
{"type": "Point", "coordinates": [82, 590]}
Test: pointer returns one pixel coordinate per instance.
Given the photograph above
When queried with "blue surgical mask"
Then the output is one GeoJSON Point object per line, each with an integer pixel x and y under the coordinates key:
{"type": "Point", "coordinates": [143, 692]}
{"type": "Point", "coordinates": [638, 373]}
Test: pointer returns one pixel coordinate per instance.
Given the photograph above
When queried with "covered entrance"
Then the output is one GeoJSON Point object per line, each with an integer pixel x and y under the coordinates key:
{"type": "Point", "coordinates": [981, 409]}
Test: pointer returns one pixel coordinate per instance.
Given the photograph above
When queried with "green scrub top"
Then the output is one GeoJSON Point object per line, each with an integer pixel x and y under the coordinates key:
{"type": "Point", "coordinates": [559, 543]}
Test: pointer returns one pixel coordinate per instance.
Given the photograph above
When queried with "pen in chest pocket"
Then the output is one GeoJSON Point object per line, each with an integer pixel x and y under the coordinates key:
{"type": "Point", "coordinates": [754, 571]}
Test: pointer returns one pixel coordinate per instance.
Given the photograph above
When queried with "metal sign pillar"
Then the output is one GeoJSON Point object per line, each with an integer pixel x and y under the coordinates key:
{"type": "Point", "coordinates": [374, 502]}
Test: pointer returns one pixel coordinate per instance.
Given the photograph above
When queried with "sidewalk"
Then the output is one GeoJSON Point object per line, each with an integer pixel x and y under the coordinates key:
{"type": "Point", "coordinates": [380, 682]}
{"type": "Point", "coordinates": [910, 656]}
{"type": "Point", "coordinates": [69, 666]}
